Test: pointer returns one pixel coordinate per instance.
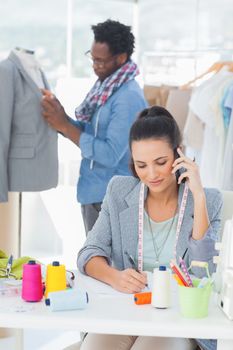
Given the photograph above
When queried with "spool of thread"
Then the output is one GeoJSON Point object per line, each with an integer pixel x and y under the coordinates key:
{"type": "Point", "coordinates": [142, 298]}
{"type": "Point", "coordinates": [70, 299]}
{"type": "Point", "coordinates": [161, 288]}
{"type": "Point", "coordinates": [55, 278]}
{"type": "Point", "coordinates": [32, 289]}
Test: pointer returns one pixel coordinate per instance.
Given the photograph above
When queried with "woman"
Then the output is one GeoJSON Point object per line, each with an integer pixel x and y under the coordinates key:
{"type": "Point", "coordinates": [157, 190]}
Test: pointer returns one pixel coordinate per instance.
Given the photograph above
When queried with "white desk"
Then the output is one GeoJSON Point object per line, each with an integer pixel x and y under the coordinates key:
{"type": "Point", "coordinates": [117, 314]}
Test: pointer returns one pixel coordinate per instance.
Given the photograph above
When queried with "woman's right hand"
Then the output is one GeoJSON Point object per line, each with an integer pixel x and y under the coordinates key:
{"type": "Point", "coordinates": [129, 281]}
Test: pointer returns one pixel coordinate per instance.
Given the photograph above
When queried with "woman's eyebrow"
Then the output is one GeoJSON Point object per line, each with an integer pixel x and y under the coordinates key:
{"type": "Point", "coordinates": [140, 161]}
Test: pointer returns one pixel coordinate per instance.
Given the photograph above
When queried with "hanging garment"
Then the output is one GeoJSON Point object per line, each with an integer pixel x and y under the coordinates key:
{"type": "Point", "coordinates": [177, 105]}
{"type": "Point", "coordinates": [203, 105]}
{"type": "Point", "coordinates": [219, 126]}
{"type": "Point", "coordinates": [193, 133]}
{"type": "Point", "coordinates": [157, 95]}
{"type": "Point", "coordinates": [227, 169]}
{"type": "Point", "coordinates": [28, 147]}
{"type": "Point", "coordinates": [193, 136]}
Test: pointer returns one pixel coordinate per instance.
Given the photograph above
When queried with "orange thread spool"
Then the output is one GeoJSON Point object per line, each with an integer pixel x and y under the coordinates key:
{"type": "Point", "coordinates": [142, 298]}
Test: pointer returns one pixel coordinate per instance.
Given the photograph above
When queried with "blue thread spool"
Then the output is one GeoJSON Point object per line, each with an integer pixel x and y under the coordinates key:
{"type": "Point", "coordinates": [71, 299]}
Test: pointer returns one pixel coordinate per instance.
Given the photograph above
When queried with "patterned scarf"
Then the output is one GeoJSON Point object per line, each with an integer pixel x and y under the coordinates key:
{"type": "Point", "coordinates": [101, 91]}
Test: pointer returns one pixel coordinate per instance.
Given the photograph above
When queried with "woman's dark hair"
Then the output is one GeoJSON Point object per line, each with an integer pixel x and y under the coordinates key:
{"type": "Point", "coordinates": [154, 123]}
{"type": "Point", "coordinates": [116, 35]}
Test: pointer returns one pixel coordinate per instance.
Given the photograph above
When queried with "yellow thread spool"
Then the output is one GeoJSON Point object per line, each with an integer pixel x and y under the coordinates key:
{"type": "Point", "coordinates": [55, 278]}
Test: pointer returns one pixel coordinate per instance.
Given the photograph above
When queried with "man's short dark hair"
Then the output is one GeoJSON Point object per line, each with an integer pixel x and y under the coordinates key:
{"type": "Point", "coordinates": [116, 35]}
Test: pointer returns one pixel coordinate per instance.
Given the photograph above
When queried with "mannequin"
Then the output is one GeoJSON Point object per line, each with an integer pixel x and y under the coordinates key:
{"type": "Point", "coordinates": [28, 60]}
{"type": "Point", "coordinates": [28, 147]}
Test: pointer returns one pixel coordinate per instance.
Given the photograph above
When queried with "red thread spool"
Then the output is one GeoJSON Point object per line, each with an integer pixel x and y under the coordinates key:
{"type": "Point", "coordinates": [142, 298]}
{"type": "Point", "coordinates": [32, 289]}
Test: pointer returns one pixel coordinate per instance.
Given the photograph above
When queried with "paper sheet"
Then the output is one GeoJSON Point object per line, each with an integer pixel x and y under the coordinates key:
{"type": "Point", "coordinates": [91, 285]}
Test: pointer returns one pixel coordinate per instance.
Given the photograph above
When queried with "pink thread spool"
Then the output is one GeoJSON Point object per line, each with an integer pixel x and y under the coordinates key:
{"type": "Point", "coordinates": [32, 289]}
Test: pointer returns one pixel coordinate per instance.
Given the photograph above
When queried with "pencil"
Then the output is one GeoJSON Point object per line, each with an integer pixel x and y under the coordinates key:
{"type": "Point", "coordinates": [177, 271]}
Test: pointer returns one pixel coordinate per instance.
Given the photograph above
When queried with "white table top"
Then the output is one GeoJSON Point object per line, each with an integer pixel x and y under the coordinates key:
{"type": "Point", "coordinates": [115, 313]}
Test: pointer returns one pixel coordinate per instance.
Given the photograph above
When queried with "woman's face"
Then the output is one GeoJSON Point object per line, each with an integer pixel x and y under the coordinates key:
{"type": "Point", "coordinates": [153, 161]}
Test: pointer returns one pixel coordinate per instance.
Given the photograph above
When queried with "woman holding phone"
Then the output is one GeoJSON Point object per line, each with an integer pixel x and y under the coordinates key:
{"type": "Point", "coordinates": [164, 206]}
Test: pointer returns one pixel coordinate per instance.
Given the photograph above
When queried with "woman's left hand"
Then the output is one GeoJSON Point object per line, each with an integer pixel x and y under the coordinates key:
{"type": "Point", "coordinates": [191, 172]}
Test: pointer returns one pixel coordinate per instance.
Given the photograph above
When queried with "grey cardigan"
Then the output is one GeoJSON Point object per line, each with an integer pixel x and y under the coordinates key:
{"type": "Point", "coordinates": [116, 229]}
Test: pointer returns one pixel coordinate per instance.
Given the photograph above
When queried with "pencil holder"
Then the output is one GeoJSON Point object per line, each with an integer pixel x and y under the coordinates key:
{"type": "Point", "coordinates": [32, 289]}
{"type": "Point", "coordinates": [194, 301]}
{"type": "Point", "coordinates": [55, 278]}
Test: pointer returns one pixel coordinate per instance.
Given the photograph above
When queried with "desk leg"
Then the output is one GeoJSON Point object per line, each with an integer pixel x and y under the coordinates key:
{"type": "Point", "coordinates": [19, 339]}
{"type": "Point", "coordinates": [225, 344]}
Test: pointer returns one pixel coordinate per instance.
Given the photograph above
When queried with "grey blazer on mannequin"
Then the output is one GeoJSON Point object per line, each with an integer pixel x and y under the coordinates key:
{"type": "Point", "coordinates": [116, 229]}
{"type": "Point", "coordinates": [28, 147]}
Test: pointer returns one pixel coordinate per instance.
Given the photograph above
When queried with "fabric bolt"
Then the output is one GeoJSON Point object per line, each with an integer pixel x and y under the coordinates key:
{"type": "Point", "coordinates": [101, 91]}
{"type": "Point", "coordinates": [17, 266]}
{"type": "Point", "coordinates": [104, 142]}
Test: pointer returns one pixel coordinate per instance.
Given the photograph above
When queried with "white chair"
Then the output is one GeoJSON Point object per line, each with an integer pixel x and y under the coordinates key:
{"type": "Point", "coordinates": [227, 211]}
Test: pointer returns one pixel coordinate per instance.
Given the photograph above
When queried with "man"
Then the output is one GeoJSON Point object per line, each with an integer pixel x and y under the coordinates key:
{"type": "Point", "coordinates": [104, 117]}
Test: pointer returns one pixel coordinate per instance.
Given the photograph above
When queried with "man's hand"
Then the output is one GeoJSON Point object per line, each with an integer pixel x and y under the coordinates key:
{"type": "Point", "coordinates": [56, 117]}
{"type": "Point", "coordinates": [53, 112]}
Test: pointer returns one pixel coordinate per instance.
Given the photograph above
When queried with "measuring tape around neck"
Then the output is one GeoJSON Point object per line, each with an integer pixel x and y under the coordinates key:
{"type": "Point", "coordinates": [140, 222]}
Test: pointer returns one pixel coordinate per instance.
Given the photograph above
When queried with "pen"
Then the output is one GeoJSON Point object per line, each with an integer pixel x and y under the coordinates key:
{"type": "Point", "coordinates": [185, 252]}
{"type": "Point", "coordinates": [9, 265]}
{"type": "Point", "coordinates": [183, 256]}
{"type": "Point", "coordinates": [132, 262]}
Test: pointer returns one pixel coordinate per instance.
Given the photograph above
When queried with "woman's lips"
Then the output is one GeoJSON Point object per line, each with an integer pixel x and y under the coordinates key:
{"type": "Point", "coordinates": [155, 183]}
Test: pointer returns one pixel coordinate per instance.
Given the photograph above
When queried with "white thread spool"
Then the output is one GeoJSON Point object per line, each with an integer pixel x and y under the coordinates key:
{"type": "Point", "coordinates": [161, 288]}
{"type": "Point", "coordinates": [71, 299]}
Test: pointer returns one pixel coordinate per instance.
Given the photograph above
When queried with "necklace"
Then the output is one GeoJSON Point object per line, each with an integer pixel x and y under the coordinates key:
{"type": "Point", "coordinates": [141, 204]}
{"type": "Point", "coordinates": [158, 250]}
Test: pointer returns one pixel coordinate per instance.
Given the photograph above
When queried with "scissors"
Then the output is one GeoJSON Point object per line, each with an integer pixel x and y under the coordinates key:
{"type": "Point", "coordinates": [6, 272]}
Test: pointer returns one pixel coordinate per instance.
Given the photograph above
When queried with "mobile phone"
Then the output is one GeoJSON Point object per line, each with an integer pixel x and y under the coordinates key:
{"type": "Point", "coordinates": [178, 173]}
